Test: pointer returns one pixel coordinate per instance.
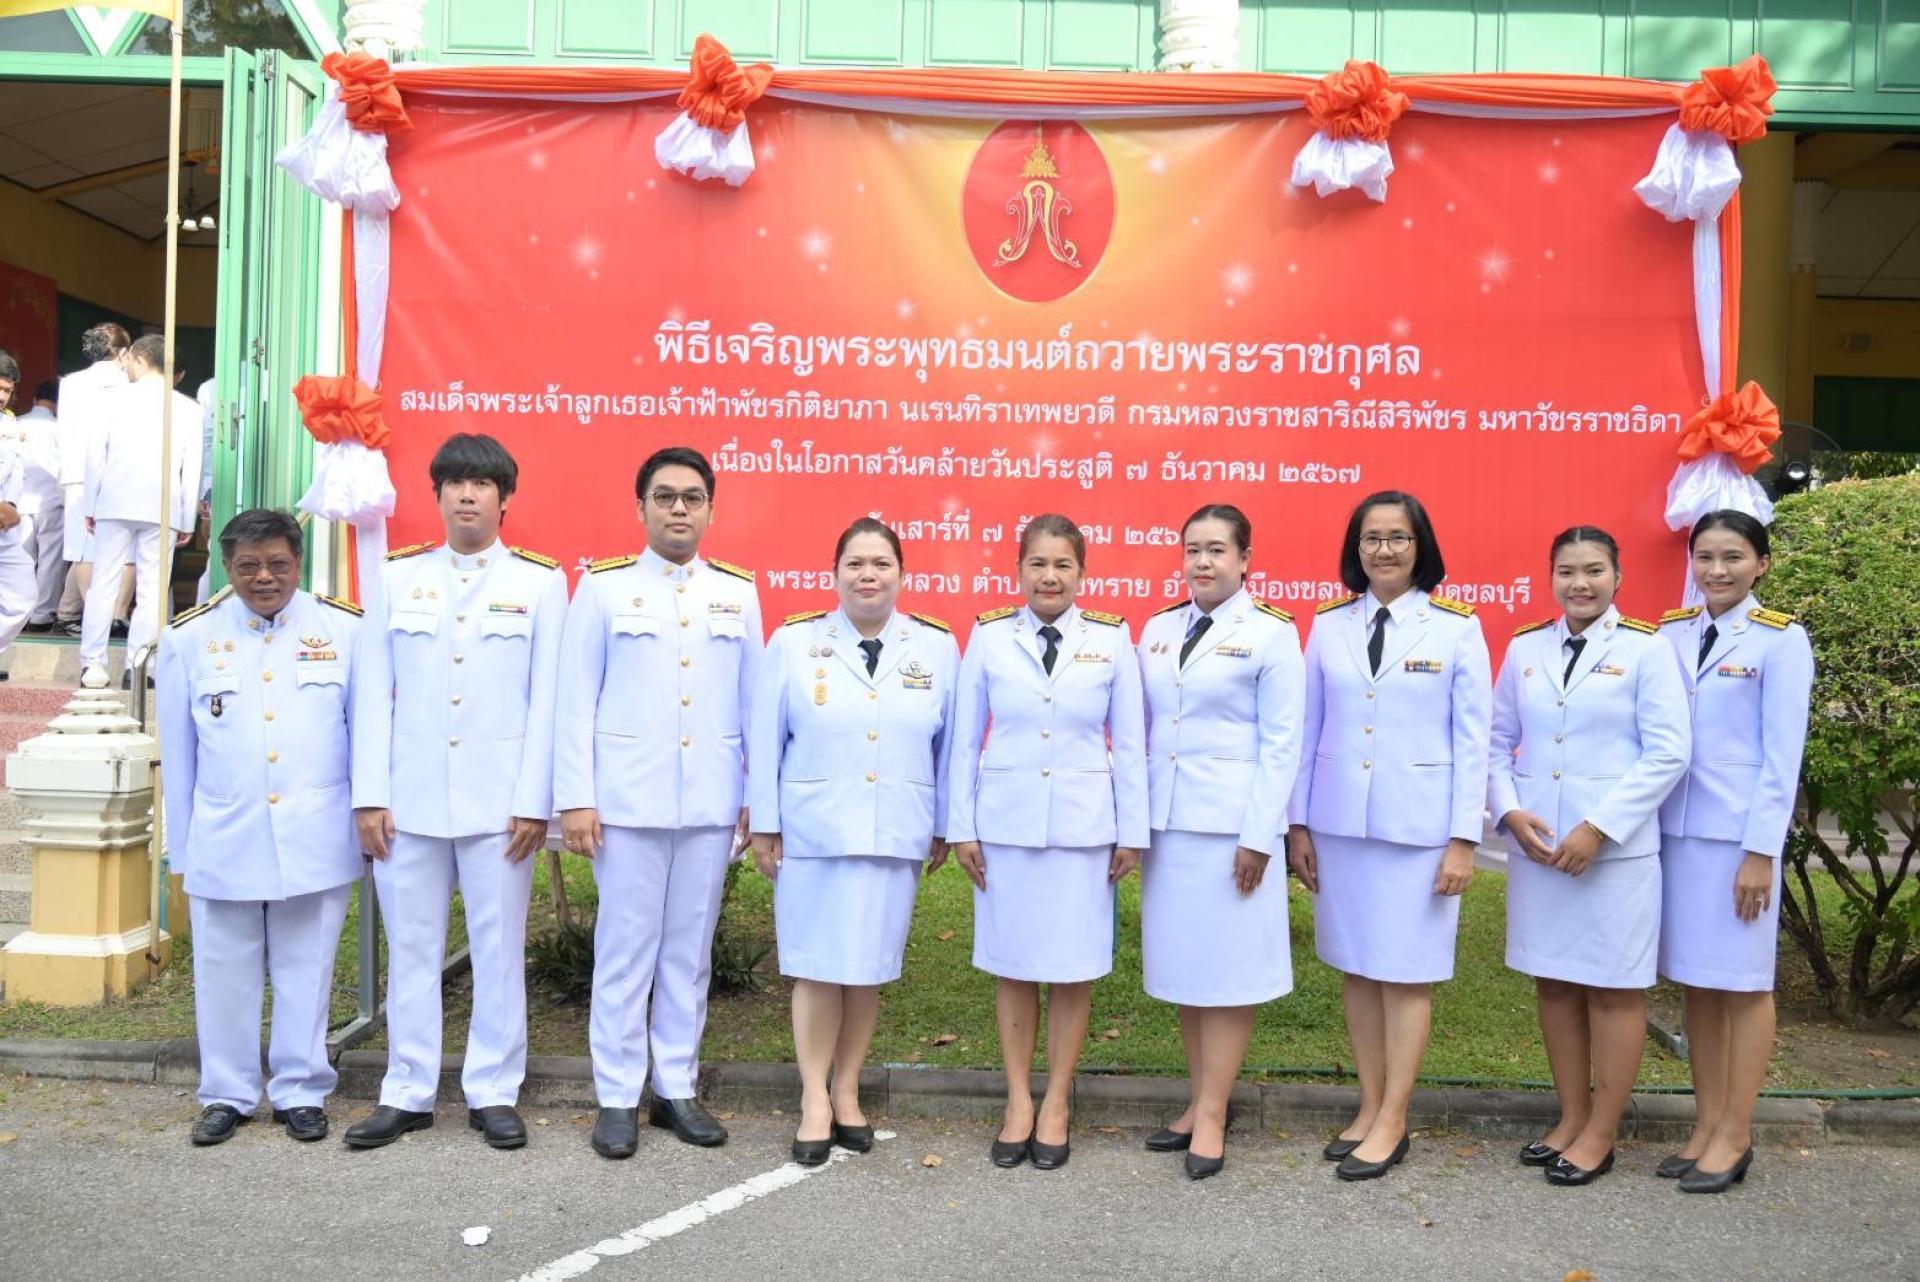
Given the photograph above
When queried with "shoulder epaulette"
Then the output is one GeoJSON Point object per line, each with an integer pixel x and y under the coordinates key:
{"type": "Point", "coordinates": [1452, 606]}
{"type": "Point", "coordinates": [1274, 611]}
{"type": "Point", "coordinates": [1324, 606]}
{"type": "Point", "coordinates": [999, 612]}
{"type": "Point", "coordinates": [805, 616]}
{"type": "Point", "coordinates": [1169, 609]}
{"type": "Point", "coordinates": [728, 567]}
{"type": "Point", "coordinates": [1525, 628]}
{"type": "Point", "coordinates": [535, 557]}
{"type": "Point", "coordinates": [1772, 618]}
{"type": "Point", "coordinates": [1676, 616]}
{"type": "Point", "coordinates": [1639, 625]}
{"type": "Point", "coordinates": [1101, 616]}
{"type": "Point", "coordinates": [611, 562]}
{"type": "Point", "coordinates": [189, 615]}
{"type": "Point", "coordinates": [338, 604]}
{"type": "Point", "coordinates": [937, 624]}
{"type": "Point", "coordinates": [412, 549]}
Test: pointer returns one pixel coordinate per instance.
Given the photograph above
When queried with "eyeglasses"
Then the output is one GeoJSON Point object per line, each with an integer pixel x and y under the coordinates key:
{"type": "Point", "coordinates": [693, 500]}
{"type": "Point", "coordinates": [279, 569]}
{"type": "Point", "coordinates": [1396, 542]}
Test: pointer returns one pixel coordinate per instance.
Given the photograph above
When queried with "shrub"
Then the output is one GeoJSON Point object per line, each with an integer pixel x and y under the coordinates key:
{"type": "Point", "coordinates": [1847, 561]}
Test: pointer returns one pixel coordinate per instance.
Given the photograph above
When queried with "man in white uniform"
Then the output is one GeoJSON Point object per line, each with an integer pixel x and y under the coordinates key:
{"type": "Point", "coordinates": [16, 561]}
{"type": "Point", "coordinates": [656, 682]}
{"type": "Point", "coordinates": [103, 346]}
{"type": "Point", "coordinates": [453, 785]}
{"type": "Point", "coordinates": [254, 692]}
{"type": "Point", "coordinates": [121, 499]}
{"type": "Point", "coordinates": [46, 505]}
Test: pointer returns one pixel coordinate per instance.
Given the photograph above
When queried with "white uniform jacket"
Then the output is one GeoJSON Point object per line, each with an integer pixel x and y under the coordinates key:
{"type": "Point", "coordinates": [1048, 778]}
{"type": "Point", "coordinates": [453, 703]}
{"type": "Point", "coordinates": [656, 683]}
{"type": "Point", "coordinates": [1223, 729]}
{"type": "Point", "coordinates": [849, 764]}
{"type": "Point", "coordinates": [1749, 702]}
{"type": "Point", "coordinates": [123, 460]}
{"type": "Point", "coordinates": [255, 717]}
{"type": "Point", "coordinates": [1401, 756]}
{"type": "Point", "coordinates": [1604, 747]}
{"type": "Point", "coordinates": [81, 395]}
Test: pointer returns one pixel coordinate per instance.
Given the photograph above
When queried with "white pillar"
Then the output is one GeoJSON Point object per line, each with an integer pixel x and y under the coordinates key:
{"type": "Point", "coordinates": [386, 29]}
{"type": "Point", "coordinates": [1199, 35]}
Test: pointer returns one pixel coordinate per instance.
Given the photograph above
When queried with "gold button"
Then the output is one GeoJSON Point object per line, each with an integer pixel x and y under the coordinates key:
{"type": "Point", "coordinates": [268, 639]}
{"type": "Point", "coordinates": [1046, 698]}
{"type": "Point", "coordinates": [273, 799]}
{"type": "Point", "coordinates": [1369, 694]}
{"type": "Point", "coordinates": [872, 735]}
{"type": "Point", "coordinates": [873, 694]}
{"type": "Point", "coordinates": [1369, 729]}
{"type": "Point", "coordinates": [686, 623]}
{"type": "Point", "coordinates": [1046, 734]}
{"type": "Point", "coordinates": [454, 742]}
{"type": "Point", "coordinates": [266, 676]}
{"type": "Point", "coordinates": [686, 700]}
{"type": "Point", "coordinates": [1559, 738]}
{"type": "Point", "coordinates": [460, 618]}
{"type": "Point", "coordinates": [682, 588]}
{"type": "Point", "coordinates": [1176, 721]}
{"type": "Point", "coordinates": [1556, 774]}
{"type": "Point", "coordinates": [686, 741]}
{"type": "Point", "coordinates": [1366, 765]}
{"type": "Point", "coordinates": [871, 777]}
{"type": "Point", "coordinates": [686, 661]}
{"type": "Point", "coordinates": [456, 698]}
{"type": "Point", "coordinates": [459, 658]}
{"type": "Point", "coordinates": [1044, 772]}
{"type": "Point", "coordinates": [269, 714]}
{"type": "Point", "coordinates": [273, 758]}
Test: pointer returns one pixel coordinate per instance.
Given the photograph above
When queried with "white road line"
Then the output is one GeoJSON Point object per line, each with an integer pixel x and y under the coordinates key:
{"type": "Point", "coordinates": [687, 1217]}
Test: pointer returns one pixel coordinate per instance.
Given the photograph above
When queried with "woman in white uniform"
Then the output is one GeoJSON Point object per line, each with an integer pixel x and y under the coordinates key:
{"type": "Point", "coordinates": [847, 783]}
{"type": "Point", "coordinates": [1388, 807]}
{"type": "Point", "coordinates": [1223, 685]}
{"type": "Point", "coordinates": [1590, 733]}
{"type": "Point", "coordinates": [1748, 673]}
{"type": "Point", "coordinates": [1047, 822]}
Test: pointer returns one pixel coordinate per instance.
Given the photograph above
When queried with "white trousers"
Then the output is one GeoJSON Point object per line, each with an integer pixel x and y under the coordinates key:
{"type": "Point", "coordinates": [237, 944]}
{"type": "Point", "coordinates": [16, 587]}
{"type": "Point", "coordinates": [49, 565]}
{"type": "Point", "coordinates": [416, 882]}
{"type": "Point", "coordinates": [114, 544]}
{"type": "Point", "coordinates": [660, 894]}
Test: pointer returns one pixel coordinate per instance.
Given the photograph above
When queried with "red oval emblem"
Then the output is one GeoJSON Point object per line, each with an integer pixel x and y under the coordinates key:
{"type": "Point", "coordinates": [1038, 208]}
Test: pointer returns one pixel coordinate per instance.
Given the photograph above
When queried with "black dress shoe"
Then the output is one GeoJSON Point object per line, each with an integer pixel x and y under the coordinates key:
{"type": "Point", "coordinates": [1565, 1173]}
{"type": "Point", "coordinates": [1352, 1168]}
{"type": "Point", "coordinates": [1699, 1181]}
{"type": "Point", "coordinates": [217, 1124]}
{"type": "Point", "coordinates": [36, 629]}
{"type": "Point", "coordinates": [689, 1120]}
{"type": "Point", "coordinates": [1167, 1140]}
{"type": "Point", "coordinates": [305, 1124]}
{"type": "Point", "coordinates": [1200, 1168]}
{"type": "Point", "coordinates": [1538, 1153]}
{"type": "Point", "coordinates": [854, 1139]}
{"type": "Point", "coordinates": [500, 1123]}
{"type": "Point", "coordinates": [1051, 1157]}
{"type": "Point", "coordinates": [1337, 1149]}
{"type": "Point", "coordinates": [616, 1132]}
{"type": "Point", "coordinates": [384, 1126]}
{"type": "Point", "coordinates": [1672, 1168]}
{"type": "Point", "coordinates": [812, 1152]}
{"type": "Point", "coordinates": [1010, 1153]}
{"type": "Point", "coordinates": [119, 629]}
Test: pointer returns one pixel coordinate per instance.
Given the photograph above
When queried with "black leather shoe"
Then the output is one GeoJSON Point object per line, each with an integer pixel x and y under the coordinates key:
{"type": "Point", "coordinates": [217, 1124]}
{"type": "Point", "coordinates": [1538, 1153]}
{"type": "Point", "coordinates": [812, 1152]}
{"type": "Point", "coordinates": [1352, 1168]}
{"type": "Point", "coordinates": [1010, 1153]}
{"type": "Point", "coordinates": [384, 1126]}
{"type": "Point", "coordinates": [500, 1123]}
{"type": "Point", "coordinates": [1565, 1173]}
{"type": "Point", "coordinates": [1672, 1168]}
{"type": "Point", "coordinates": [1167, 1140]}
{"type": "Point", "coordinates": [854, 1139]}
{"type": "Point", "coordinates": [688, 1119]}
{"type": "Point", "coordinates": [304, 1124]}
{"type": "Point", "coordinates": [1050, 1157]}
{"type": "Point", "coordinates": [1699, 1181]}
{"type": "Point", "coordinates": [616, 1132]}
{"type": "Point", "coordinates": [1200, 1168]}
{"type": "Point", "coordinates": [1337, 1149]}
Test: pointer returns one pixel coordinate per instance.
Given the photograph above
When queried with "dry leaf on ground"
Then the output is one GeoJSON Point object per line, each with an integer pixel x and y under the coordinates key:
{"type": "Point", "coordinates": [946, 1039]}
{"type": "Point", "coordinates": [945, 935]}
{"type": "Point", "coordinates": [1110, 1034]}
{"type": "Point", "coordinates": [1577, 1275]}
{"type": "Point", "coordinates": [8, 1137]}
{"type": "Point", "coordinates": [931, 1159]}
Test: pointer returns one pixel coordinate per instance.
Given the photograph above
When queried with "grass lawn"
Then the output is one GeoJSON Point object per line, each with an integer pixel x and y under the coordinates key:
{"type": "Point", "coordinates": [941, 1012]}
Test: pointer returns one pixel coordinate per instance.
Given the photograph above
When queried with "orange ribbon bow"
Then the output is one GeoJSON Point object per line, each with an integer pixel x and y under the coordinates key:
{"type": "Point", "coordinates": [1356, 102]}
{"type": "Point", "coordinates": [1733, 102]}
{"type": "Point", "coordinates": [719, 90]}
{"type": "Point", "coordinates": [337, 409]}
{"type": "Point", "coordinates": [1742, 424]}
{"type": "Point", "coordinates": [368, 93]}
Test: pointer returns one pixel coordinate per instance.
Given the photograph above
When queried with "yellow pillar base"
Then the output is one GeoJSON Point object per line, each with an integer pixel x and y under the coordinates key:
{"type": "Point", "coordinates": [86, 938]}
{"type": "Point", "coordinates": [52, 971]}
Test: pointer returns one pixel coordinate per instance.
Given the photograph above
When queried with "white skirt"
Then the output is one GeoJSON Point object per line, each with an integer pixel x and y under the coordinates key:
{"type": "Point", "coordinates": [1601, 928]}
{"type": "Point", "coordinates": [1376, 915]}
{"type": "Point", "coordinates": [1202, 942]}
{"type": "Point", "coordinates": [1702, 943]}
{"type": "Point", "coordinates": [1046, 915]}
{"type": "Point", "coordinates": [844, 920]}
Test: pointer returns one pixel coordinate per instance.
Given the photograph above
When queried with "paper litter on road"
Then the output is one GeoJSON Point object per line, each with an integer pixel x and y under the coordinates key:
{"type": "Point", "coordinates": [477, 1235]}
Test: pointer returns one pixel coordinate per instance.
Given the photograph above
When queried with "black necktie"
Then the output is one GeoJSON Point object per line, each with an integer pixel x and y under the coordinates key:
{"type": "Point", "coordinates": [1707, 639]}
{"type": "Point", "coordinates": [872, 646]}
{"type": "Point", "coordinates": [1051, 635]}
{"type": "Point", "coordinates": [1378, 641]}
{"type": "Point", "coordinates": [1575, 644]}
{"type": "Point", "coordinates": [1194, 633]}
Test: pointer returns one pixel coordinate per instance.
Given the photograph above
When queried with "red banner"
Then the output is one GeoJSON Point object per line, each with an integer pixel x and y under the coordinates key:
{"type": "Point", "coordinates": [955, 325]}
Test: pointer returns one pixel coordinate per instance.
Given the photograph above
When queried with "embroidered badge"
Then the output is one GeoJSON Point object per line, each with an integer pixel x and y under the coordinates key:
{"type": "Point", "coordinates": [506, 607]}
{"type": "Point", "coordinates": [1424, 665]}
{"type": "Point", "coordinates": [915, 677]}
{"type": "Point", "coordinates": [215, 707]}
{"type": "Point", "coordinates": [1234, 651]}
{"type": "Point", "coordinates": [1736, 670]}
{"type": "Point", "coordinates": [1610, 670]}
{"type": "Point", "coordinates": [723, 607]}
{"type": "Point", "coordinates": [1092, 657]}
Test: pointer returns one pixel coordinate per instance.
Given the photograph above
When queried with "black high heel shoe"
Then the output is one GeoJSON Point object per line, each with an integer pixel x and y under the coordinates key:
{"type": "Point", "coordinates": [1538, 1153]}
{"type": "Point", "coordinates": [854, 1139]}
{"type": "Point", "coordinates": [812, 1152]}
{"type": "Point", "coordinates": [1352, 1168]}
{"type": "Point", "coordinates": [1567, 1175]}
{"type": "Point", "coordinates": [1699, 1181]}
{"type": "Point", "coordinates": [1672, 1168]}
{"type": "Point", "coordinates": [1008, 1154]}
{"type": "Point", "coordinates": [1200, 1168]}
{"type": "Point", "coordinates": [1168, 1140]}
{"type": "Point", "coordinates": [1050, 1157]}
{"type": "Point", "coordinates": [1337, 1149]}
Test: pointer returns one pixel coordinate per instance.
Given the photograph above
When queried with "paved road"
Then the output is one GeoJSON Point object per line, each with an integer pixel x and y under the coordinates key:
{"type": "Point", "coordinates": [97, 1182]}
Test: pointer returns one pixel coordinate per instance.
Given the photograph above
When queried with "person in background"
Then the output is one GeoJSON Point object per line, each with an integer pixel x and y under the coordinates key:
{"type": "Point", "coordinates": [49, 502]}
{"type": "Point", "coordinates": [104, 346]}
{"type": "Point", "coordinates": [208, 399]}
{"type": "Point", "coordinates": [16, 527]}
{"type": "Point", "coordinates": [1047, 820]}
